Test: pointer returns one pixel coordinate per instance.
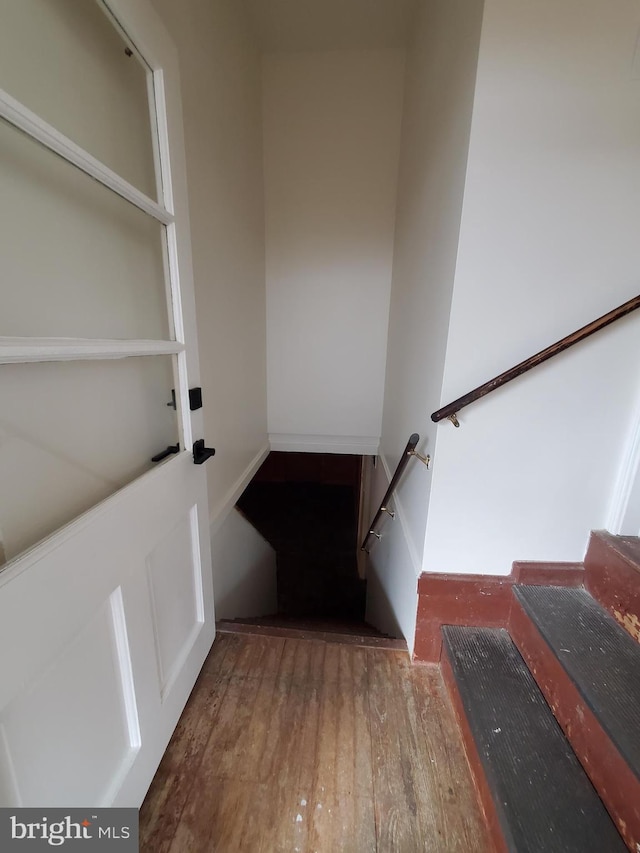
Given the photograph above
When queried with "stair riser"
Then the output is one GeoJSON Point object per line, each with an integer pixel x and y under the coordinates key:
{"type": "Point", "coordinates": [474, 600]}
{"type": "Point", "coordinates": [482, 786]}
{"type": "Point", "coordinates": [616, 784]}
{"type": "Point", "coordinates": [615, 583]}
{"type": "Point", "coordinates": [457, 600]}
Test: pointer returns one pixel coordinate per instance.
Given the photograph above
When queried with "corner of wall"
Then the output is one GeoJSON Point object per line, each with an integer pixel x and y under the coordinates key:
{"type": "Point", "coordinates": [393, 570]}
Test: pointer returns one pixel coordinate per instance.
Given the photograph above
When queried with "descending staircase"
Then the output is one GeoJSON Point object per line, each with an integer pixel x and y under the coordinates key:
{"type": "Point", "coordinates": [350, 633]}
{"type": "Point", "coordinates": [313, 530]}
{"type": "Point", "coordinates": [549, 707]}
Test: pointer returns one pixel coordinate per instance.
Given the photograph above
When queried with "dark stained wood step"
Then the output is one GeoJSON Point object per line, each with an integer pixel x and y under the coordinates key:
{"type": "Point", "coordinates": [612, 576]}
{"type": "Point", "coordinates": [541, 798]}
{"type": "Point", "coordinates": [588, 668]}
{"type": "Point", "coordinates": [598, 655]}
{"type": "Point", "coordinates": [367, 640]}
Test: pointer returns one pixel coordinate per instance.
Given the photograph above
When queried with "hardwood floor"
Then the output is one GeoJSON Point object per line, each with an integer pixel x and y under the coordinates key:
{"type": "Point", "coordinates": [300, 745]}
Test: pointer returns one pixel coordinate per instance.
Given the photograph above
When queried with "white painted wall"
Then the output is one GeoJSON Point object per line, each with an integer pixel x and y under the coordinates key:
{"type": "Point", "coordinates": [244, 570]}
{"type": "Point", "coordinates": [548, 242]}
{"type": "Point", "coordinates": [331, 145]}
{"type": "Point", "coordinates": [221, 95]}
{"type": "Point", "coordinates": [392, 569]}
{"type": "Point", "coordinates": [440, 78]}
{"type": "Point", "coordinates": [303, 25]}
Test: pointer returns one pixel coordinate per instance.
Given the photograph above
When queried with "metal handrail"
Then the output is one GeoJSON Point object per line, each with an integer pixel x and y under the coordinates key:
{"type": "Point", "coordinates": [407, 453]}
{"type": "Point", "coordinates": [451, 410]}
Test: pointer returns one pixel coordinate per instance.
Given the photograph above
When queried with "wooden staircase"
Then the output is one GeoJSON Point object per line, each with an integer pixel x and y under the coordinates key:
{"type": "Point", "coordinates": [549, 706]}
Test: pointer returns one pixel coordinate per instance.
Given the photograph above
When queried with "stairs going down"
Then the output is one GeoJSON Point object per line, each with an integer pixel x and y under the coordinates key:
{"type": "Point", "coordinates": [320, 630]}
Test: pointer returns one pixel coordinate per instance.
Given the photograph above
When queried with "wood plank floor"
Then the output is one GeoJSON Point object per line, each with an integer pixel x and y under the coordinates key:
{"type": "Point", "coordinates": [298, 745]}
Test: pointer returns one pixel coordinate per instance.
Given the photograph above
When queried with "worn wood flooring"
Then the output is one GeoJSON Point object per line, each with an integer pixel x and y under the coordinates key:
{"type": "Point", "coordinates": [299, 745]}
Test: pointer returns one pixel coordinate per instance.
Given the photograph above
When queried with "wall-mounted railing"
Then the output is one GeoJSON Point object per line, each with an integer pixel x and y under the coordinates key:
{"type": "Point", "coordinates": [407, 454]}
{"type": "Point", "coordinates": [451, 410]}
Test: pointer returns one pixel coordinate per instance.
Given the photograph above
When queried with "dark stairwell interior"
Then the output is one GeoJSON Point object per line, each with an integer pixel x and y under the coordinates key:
{"type": "Point", "coordinates": [306, 505]}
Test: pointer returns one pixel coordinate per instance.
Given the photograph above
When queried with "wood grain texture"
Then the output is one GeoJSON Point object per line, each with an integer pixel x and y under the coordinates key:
{"type": "Point", "coordinates": [373, 641]}
{"type": "Point", "coordinates": [298, 745]}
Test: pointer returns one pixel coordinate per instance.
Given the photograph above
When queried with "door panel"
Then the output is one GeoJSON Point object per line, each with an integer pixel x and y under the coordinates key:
{"type": "Point", "coordinates": [80, 692]}
{"type": "Point", "coordinates": [68, 241]}
{"type": "Point", "coordinates": [65, 61]}
{"type": "Point", "coordinates": [104, 624]}
{"type": "Point", "coordinates": [174, 574]}
{"type": "Point", "coordinates": [85, 718]}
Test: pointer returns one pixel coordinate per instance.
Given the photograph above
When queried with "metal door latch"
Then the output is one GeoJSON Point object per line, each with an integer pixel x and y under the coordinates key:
{"type": "Point", "coordinates": [201, 453]}
{"type": "Point", "coordinates": [173, 448]}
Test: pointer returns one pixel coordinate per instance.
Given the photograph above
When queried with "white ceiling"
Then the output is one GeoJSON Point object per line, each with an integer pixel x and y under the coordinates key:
{"type": "Point", "coordinates": [295, 25]}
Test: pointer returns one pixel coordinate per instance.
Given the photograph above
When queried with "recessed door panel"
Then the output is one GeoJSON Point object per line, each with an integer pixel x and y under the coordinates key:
{"type": "Point", "coordinates": [68, 735]}
{"type": "Point", "coordinates": [175, 588]}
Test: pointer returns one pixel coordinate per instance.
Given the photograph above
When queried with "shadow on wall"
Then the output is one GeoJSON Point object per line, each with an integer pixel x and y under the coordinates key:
{"type": "Point", "coordinates": [306, 506]}
{"type": "Point", "coordinates": [244, 570]}
{"type": "Point", "coordinates": [380, 611]}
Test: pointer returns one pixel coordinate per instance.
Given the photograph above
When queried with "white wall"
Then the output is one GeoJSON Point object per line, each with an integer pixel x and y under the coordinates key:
{"type": "Point", "coordinates": [548, 242]}
{"type": "Point", "coordinates": [440, 78]}
{"type": "Point", "coordinates": [331, 143]}
{"type": "Point", "coordinates": [300, 25]}
{"type": "Point", "coordinates": [221, 96]}
{"type": "Point", "coordinates": [244, 570]}
{"type": "Point", "coordinates": [392, 569]}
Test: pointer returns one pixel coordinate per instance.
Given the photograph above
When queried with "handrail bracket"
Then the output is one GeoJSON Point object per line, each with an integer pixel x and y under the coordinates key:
{"type": "Point", "coordinates": [426, 460]}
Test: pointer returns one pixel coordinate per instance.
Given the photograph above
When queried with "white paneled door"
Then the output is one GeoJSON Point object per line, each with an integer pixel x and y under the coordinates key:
{"type": "Point", "coordinates": [106, 600]}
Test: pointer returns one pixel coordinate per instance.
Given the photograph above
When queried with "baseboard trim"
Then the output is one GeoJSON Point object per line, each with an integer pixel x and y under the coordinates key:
{"type": "Point", "coordinates": [477, 601]}
{"type": "Point", "coordinates": [359, 445]}
{"type": "Point", "coordinates": [222, 509]}
{"type": "Point", "coordinates": [622, 519]}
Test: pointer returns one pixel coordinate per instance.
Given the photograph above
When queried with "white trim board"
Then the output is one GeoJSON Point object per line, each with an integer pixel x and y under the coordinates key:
{"type": "Point", "coordinates": [28, 122]}
{"type": "Point", "coordinates": [624, 510]}
{"type": "Point", "coordinates": [20, 350]}
{"type": "Point", "coordinates": [359, 445]}
{"type": "Point", "coordinates": [222, 509]}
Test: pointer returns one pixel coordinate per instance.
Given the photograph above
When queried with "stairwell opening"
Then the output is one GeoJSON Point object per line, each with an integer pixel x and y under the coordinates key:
{"type": "Point", "coordinates": [308, 507]}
